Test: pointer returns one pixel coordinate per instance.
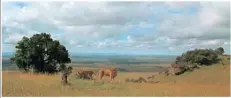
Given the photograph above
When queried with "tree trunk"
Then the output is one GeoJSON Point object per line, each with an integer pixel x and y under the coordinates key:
{"type": "Point", "coordinates": [64, 78]}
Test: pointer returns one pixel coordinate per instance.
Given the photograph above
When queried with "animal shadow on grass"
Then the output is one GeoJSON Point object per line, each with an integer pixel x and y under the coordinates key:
{"type": "Point", "coordinates": [153, 82]}
{"type": "Point", "coordinates": [66, 84]}
{"type": "Point", "coordinates": [69, 85]}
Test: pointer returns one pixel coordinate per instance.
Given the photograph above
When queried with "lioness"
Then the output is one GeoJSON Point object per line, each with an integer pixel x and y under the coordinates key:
{"type": "Point", "coordinates": [86, 74]}
{"type": "Point", "coordinates": [111, 72]}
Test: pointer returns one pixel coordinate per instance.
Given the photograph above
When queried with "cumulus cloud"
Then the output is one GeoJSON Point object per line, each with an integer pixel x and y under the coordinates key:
{"type": "Point", "coordinates": [122, 26]}
{"type": "Point", "coordinates": [208, 23]}
{"type": "Point", "coordinates": [13, 39]}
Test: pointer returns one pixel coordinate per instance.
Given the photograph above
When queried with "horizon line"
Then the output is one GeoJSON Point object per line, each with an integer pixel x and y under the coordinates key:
{"type": "Point", "coordinates": [76, 54]}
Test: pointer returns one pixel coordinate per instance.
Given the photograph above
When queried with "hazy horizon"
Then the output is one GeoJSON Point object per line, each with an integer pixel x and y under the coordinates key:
{"type": "Point", "coordinates": [101, 54]}
{"type": "Point", "coordinates": [139, 63]}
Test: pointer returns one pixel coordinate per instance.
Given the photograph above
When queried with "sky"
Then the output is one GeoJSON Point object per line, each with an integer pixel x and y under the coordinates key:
{"type": "Point", "coordinates": [157, 28]}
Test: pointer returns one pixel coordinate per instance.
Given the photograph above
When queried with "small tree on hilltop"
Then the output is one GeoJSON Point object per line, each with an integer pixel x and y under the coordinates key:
{"type": "Point", "coordinates": [219, 51]}
{"type": "Point", "coordinates": [190, 60]}
{"type": "Point", "coordinates": [40, 53]}
{"type": "Point", "coordinates": [200, 56]}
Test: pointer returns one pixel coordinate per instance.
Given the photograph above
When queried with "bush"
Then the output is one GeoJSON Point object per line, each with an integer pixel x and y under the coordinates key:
{"type": "Point", "coordinates": [139, 80]}
{"type": "Point", "coordinates": [127, 80]}
{"type": "Point", "coordinates": [198, 56]}
{"type": "Point", "coordinates": [151, 77]}
{"type": "Point", "coordinates": [219, 51]}
{"type": "Point", "coordinates": [142, 80]}
{"type": "Point", "coordinates": [191, 59]}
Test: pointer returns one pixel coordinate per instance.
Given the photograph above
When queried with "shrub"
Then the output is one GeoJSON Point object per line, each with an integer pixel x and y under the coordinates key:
{"type": "Point", "coordinates": [219, 51]}
{"type": "Point", "coordinates": [151, 77]}
{"type": "Point", "coordinates": [191, 59]}
{"type": "Point", "coordinates": [198, 56]}
{"type": "Point", "coordinates": [139, 80]}
{"type": "Point", "coordinates": [127, 80]}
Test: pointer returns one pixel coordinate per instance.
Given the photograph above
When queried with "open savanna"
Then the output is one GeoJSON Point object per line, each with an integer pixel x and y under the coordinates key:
{"type": "Point", "coordinates": [206, 81]}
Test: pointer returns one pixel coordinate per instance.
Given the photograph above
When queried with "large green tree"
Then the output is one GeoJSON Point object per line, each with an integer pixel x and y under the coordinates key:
{"type": "Point", "coordinates": [40, 53]}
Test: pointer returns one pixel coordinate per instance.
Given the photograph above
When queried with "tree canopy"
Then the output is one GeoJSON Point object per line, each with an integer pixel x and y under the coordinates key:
{"type": "Point", "coordinates": [198, 56]}
{"type": "Point", "coordinates": [40, 53]}
{"type": "Point", "coordinates": [219, 51]}
{"type": "Point", "coordinates": [190, 60]}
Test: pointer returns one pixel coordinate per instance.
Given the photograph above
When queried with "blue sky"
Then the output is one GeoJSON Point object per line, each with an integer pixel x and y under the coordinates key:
{"type": "Point", "coordinates": [161, 28]}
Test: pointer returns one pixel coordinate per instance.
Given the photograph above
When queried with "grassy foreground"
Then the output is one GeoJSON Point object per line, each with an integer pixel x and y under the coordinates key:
{"type": "Point", "coordinates": [206, 81]}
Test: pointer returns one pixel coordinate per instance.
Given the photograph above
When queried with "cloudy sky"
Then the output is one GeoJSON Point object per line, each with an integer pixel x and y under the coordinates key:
{"type": "Point", "coordinates": [120, 27]}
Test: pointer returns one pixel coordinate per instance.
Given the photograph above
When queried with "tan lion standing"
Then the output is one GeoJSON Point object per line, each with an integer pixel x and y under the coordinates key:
{"type": "Point", "coordinates": [111, 72]}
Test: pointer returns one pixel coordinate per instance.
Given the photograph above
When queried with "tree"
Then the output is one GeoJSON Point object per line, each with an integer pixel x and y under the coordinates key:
{"type": "Point", "coordinates": [219, 50]}
{"type": "Point", "coordinates": [198, 56]}
{"type": "Point", "coordinates": [64, 78]}
{"type": "Point", "coordinates": [64, 68]}
{"type": "Point", "coordinates": [178, 58]}
{"type": "Point", "coordinates": [40, 53]}
{"type": "Point", "coordinates": [191, 59]}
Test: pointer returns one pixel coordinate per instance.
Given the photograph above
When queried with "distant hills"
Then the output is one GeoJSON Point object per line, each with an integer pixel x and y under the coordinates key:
{"type": "Point", "coordinates": [9, 54]}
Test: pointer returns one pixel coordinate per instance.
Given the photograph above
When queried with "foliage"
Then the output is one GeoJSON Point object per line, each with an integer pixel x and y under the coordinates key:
{"type": "Point", "coordinates": [40, 53]}
{"type": "Point", "coordinates": [198, 56]}
{"type": "Point", "coordinates": [64, 68]}
{"type": "Point", "coordinates": [69, 70]}
{"type": "Point", "coordinates": [191, 59]}
{"type": "Point", "coordinates": [219, 51]}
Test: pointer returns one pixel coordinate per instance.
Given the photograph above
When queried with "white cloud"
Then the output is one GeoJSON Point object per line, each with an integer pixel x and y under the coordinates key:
{"type": "Point", "coordinates": [13, 38]}
{"type": "Point", "coordinates": [145, 25]}
{"type": "Point", "coordinates": [130, 39]}
{"type": "Point", "coordinates": [79, 46]}
{"type": "Point", "coordinates": [72, 42]}
{"type": "Point", "coordinates": [105, 24]}
{"type": "Point", "coordinates": [203, 24]}
{"type": "Point", "coordinates": [171, 48]}
{"type": "Point", "coordinates": [209, 18]}
{"type": "Point", "coordinates": [211, 42]}
{"type": "Point", "coordinates": [227, 43]}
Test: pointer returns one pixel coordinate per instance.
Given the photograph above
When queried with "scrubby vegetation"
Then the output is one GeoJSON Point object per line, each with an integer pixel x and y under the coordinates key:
{"type": "Point", "coordinates": [142, 80]}
{"type": "Point", "coordinates": [139, 80]}
{"type": "Point", "coordinates": [193, 59]}
{"type": "Point", "coordinates": [199, 57]}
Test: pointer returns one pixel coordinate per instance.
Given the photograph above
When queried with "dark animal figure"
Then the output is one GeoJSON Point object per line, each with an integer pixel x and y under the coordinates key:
{"type": "Point", "coordinates": [86, 74]}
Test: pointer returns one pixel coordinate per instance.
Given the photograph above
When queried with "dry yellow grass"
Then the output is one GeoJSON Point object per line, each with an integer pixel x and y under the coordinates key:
{"type": "Point", "coordinates": [207, 81]}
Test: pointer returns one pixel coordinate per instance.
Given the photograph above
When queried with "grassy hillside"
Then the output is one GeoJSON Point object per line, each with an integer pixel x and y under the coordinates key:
{"type": "Point", "coordinates": [206, 81]}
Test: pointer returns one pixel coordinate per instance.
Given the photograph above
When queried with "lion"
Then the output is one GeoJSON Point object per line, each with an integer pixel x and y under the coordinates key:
{"type": "Point", "coordinates": [111, 72]}
{"type": "Point", "coordinates": [86, 74]}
